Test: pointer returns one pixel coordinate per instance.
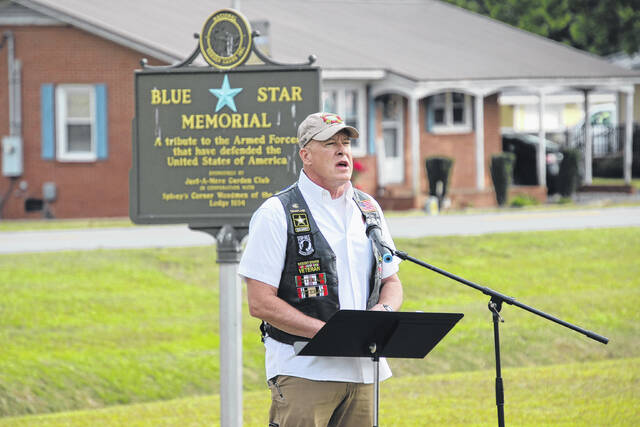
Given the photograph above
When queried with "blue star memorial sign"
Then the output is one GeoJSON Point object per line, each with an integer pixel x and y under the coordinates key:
{"type": "Point", "coordinates": [225, 95]}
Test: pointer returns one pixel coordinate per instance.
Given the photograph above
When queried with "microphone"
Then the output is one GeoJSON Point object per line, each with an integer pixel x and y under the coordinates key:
{"type": "Point", "coordinates": [374, 234]}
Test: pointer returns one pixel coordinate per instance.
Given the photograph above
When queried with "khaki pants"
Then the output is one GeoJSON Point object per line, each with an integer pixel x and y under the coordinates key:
{"type": "Point", "coordinates": [298, 402]}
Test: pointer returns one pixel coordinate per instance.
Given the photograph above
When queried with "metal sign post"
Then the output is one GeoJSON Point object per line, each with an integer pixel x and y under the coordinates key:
{"type": "Point", "coordinates": [210, 145]}
{"type": "Point", "coordinates": [230, 327]}
{"type": "Point", "coordinates": [228, 241]}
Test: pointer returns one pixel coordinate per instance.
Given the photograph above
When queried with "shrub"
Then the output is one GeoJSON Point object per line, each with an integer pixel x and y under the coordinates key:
{"type": "Point", "coordinates": [438, 170]}
{"type": "Point", "coordinates": [522, 200]}
{"type": "Point", "coordinates": [564, 200]}
{"type": "Point", "coordinates": [357, 169]}
{"type": "Point", "coordinates": [568, 176]}
{"type": "Point", "coordinates": [501, 173]}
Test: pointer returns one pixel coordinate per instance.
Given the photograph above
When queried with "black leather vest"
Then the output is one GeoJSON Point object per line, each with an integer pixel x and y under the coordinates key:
{"type": "Point", "coordinates": [309, 280]}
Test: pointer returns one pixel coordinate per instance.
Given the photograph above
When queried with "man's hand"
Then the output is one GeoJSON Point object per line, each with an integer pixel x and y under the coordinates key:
{"type": "Point", "coordinates": [381, 307]}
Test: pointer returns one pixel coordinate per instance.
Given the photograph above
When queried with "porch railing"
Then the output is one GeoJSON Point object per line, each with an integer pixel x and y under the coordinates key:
{"type": "Point", "coordinates": [608, 143]}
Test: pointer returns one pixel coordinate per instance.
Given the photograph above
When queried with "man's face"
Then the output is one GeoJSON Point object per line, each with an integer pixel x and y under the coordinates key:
{"type": "Point", "coordinates": [328, 163]}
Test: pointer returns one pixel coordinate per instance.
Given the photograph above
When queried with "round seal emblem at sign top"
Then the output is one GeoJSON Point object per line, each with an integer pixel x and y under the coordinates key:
{"type": "Point", "coordinates": [225, 39]}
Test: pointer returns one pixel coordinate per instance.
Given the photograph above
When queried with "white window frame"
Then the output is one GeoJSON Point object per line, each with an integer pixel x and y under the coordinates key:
{"type": "Point", "coordinates": [62, 119]}
{"type": "Point", "coordinates": [340, 91]}
{"type": "Point", "coordinates": [448, 126]}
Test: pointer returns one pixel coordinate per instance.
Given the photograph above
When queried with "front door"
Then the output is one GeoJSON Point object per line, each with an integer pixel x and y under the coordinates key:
{"type": "Point", "coordinates": [390, 145]}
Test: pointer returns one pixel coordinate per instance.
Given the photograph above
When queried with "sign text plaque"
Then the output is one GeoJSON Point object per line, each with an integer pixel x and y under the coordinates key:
{"type": "Point", "coordinates": [209, 147]}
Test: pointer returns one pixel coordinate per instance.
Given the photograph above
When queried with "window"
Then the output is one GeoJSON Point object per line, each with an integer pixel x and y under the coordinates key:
{"type": "Point", "coordinates": [75, 123]}
{"type": "Point", "coordinates": [527, 117]}
{"type": "Point", "coordinates": [329, 101]}
{"type": "Point", "coordinates": [391, 141]}
{"type": "Point", "coordinates": [449, 112]}
{"type": "Point", "coordinates": [348, 103]}
{"type": "Point", "coordinates": [391, 124]}
{"type": "Point", "coordinates": [458, 109]}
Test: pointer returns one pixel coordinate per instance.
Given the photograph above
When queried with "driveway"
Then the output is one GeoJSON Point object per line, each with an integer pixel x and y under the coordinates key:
{"type": "Point", "coordinates": [401, 226]}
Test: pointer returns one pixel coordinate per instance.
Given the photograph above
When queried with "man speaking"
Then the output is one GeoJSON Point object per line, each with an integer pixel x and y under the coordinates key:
{"type": "Point", "coordinates": [308, 256]}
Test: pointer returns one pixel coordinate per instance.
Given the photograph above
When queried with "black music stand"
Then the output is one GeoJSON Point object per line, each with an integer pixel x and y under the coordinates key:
{"type": "Point", "coordinates": [375, 334]}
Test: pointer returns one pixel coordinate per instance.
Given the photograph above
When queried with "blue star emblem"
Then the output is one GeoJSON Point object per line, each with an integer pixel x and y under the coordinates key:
{"type": "Point", "coordinates": [225, 95]}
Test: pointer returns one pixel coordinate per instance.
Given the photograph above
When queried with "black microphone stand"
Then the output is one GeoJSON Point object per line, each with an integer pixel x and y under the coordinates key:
{"type": "Point", "coordinates": [495, 305]}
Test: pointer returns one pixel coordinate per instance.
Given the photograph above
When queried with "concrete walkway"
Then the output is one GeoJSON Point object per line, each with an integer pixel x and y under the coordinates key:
{"type": "Point", "coordinates": [401, 226]}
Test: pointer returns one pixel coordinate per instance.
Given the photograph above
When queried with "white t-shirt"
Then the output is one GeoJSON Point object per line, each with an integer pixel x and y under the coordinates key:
{"type": "Point", "coordinates": [340, 222]}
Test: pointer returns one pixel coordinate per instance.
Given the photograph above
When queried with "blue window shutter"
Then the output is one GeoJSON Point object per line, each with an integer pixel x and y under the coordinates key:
{"type": "Point", "coordinates": [430, 118]}
{"type": "Point", "coordinates": [102, 134]}
{"type": "Point", "coordinates": [47, 121]}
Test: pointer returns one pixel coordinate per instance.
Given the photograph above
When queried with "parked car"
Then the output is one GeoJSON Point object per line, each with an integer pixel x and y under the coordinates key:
{"type": "Point", "coordinates": [524, 146]}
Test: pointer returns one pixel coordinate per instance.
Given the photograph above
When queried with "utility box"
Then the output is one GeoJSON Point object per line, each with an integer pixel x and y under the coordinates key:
{"type": "Point", "coordinates": [11, 156]}
{"type": "Point", "coordinates": [49, 192]}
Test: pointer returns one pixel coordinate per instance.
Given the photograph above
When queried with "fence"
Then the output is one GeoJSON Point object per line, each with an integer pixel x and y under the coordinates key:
{"type": "Point", "coordinates": [607, 140]}
{"type": "Point", "coordinates": [607, 147]}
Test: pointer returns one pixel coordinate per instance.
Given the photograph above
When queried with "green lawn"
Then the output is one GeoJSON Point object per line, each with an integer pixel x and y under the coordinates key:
{"type": "Point", "coordinates": [605, 393]}
{"type": "Point", "coordinates": [85, 330]}
{"type": "Point", "coordinates": [635, 182]}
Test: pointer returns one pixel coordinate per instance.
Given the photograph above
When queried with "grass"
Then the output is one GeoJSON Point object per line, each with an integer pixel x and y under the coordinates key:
{"type": "Point", "coordinates": [85, 330]}
{"type": "Point", "coordinates": [597, 394]}
{"type": "Point", "coordinates": [635, 182]}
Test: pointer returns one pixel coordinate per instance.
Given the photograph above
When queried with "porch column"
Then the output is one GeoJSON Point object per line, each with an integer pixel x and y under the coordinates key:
{"type": "Point", "coordinates": [414, 125]}
{"type": "Point", "coordinates": [478, 102]}
{"type": "Point", "coordinates": [542, 146]}
{"type": "Point", "coordinates": [588, 140]}
{"type": "Point", "coordinates": [628, 138]}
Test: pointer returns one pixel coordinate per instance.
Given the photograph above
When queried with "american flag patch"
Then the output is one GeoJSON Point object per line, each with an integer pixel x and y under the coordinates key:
{"type": "Point", "coordinates": [367, 205]}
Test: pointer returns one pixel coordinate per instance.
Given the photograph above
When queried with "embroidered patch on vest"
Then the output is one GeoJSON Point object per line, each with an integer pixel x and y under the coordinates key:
{"type": "Point", "coordinates": [310, 266]}
{"type": "Point", "coordinates": [310, 280]}
{"type": "Point", "coordinates": [300, 222]}
{"type": "Point", "coordinates": [311, 285]}
{"type": "Point", "coordinates": [305, 246]}
{"type": "Point", "coordinates": [367, 205]}
{"type": "Point", "coordinates": [312, 291]}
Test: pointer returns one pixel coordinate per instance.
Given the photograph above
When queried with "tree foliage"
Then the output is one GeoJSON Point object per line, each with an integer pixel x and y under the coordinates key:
{"type": "Point", "coordinates": [602, 27]}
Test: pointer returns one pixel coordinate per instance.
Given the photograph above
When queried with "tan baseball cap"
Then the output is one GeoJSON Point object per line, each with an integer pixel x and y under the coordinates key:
{"type": "Point", "coordinates": [322, 126]}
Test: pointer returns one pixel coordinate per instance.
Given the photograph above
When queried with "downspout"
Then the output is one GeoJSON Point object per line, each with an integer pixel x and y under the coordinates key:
{"type": "Point", "coordinates": [15, 108]}
{"type": "Point", "coordinates": [14, 68]}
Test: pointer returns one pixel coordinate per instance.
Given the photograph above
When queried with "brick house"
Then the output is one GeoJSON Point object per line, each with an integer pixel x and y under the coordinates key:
{"type": "Point", "coordinates": [418, 79]}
